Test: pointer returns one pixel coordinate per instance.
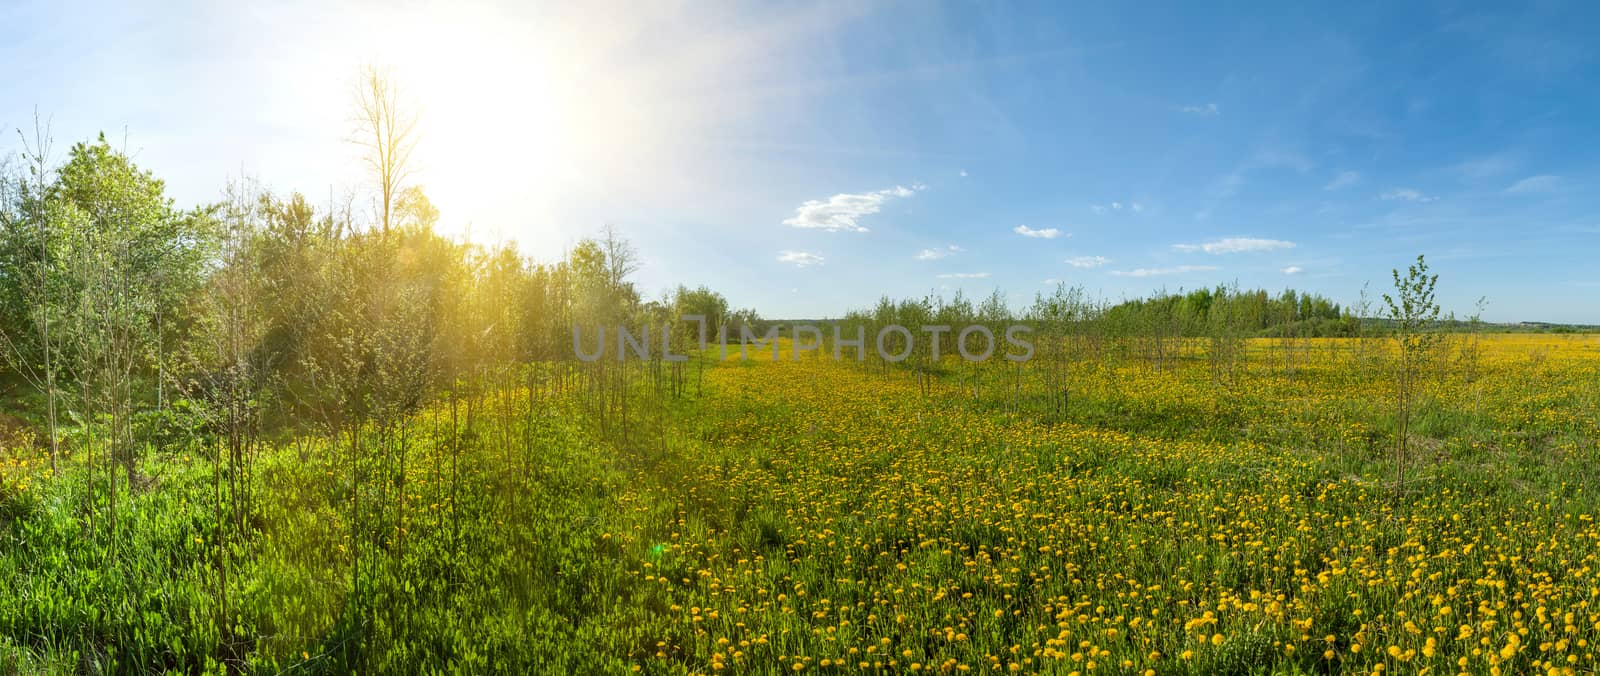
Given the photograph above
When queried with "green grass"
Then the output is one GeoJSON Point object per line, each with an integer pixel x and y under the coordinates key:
{"type": "Point", "coordinates": [796, 513]}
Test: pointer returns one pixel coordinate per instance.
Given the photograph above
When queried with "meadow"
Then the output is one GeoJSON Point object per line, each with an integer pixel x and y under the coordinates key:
{"type": "Point", "coordinates": [1061, 516]}
{"type": "Point", "coordinates": [700, 338]}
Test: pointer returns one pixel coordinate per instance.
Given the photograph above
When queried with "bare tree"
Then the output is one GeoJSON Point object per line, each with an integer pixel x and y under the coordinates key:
{"type": "Point", "coordinates": [1363, 332]}
{"type": "Point", "coordinates": [33, 214]}
{"type": "Point", "coordinates": [621, 259]}
{"type": "Point", "coordinates": [387, 131]}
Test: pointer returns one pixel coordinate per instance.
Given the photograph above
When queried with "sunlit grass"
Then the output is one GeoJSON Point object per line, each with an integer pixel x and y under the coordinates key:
{"type": "Point", "coordinates": [815, 515]}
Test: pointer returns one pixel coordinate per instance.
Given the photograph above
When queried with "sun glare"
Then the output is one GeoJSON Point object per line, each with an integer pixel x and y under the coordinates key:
{"type": "Point", "coordinates": [530, 116]}
{"type": "Point", "coordinates": [488, 121]}
{"type": "Point", "coordinates": [513, 116]}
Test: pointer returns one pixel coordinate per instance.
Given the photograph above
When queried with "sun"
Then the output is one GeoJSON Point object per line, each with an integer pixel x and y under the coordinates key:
{"type": "Point", "coordinates": [540, 123]}
{"type": "Point", "coordinates": [497, 122]}
{"type": "Point", "coordinates": [495, 114]}
{"type": "Point", "coordinates": [513, 117]}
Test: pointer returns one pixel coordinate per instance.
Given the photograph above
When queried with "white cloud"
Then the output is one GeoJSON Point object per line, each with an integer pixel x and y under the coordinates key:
{"type": "Point", "coordinates": [799, 259]}
{"type": "Point", "coordinates": [1087, 261]}
{"type": "Point", "coordinates": [1535, 184]}
{"type": "Point", "coordinates": [963, 173]}
{"type": "Point", "coordinates": [1343, 179]}
{"type": "Point", "coordinates": [1229, 245]}
{"type": "Point", "coordinates": [1293, 270]}
{"type": "Point", "coordinates": [936, 254]}
{"type": "Point", "coordinates": [1116, 206]}
{"type": "Point", "coordinates": [1407, 195]}
{"type": "Point", "coordinates": [844, 211]}
{"type": "Point", "coordinates": [1042, 233]}
{"type": "Point", "coordinates": [1052, 281]}
{"type": "Point", "coordinates": [1204, 109]}
{"type": "Point", "coordinates": [1156, 272]}
{"type": "Point", "coordinates": [964, 275]}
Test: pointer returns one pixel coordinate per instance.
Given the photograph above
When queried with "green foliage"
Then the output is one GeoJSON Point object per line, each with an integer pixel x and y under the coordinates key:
{"type": "Point", "coordinates": [1258, 312]}
{"type": "Point", "coordinates": [1414, 314]}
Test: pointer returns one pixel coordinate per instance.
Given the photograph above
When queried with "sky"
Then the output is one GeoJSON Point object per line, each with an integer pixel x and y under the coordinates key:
{"type": "Point", "coordinates": [807, 158]}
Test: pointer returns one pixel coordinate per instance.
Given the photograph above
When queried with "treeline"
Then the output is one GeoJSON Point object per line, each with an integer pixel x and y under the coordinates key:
{"type": "Point", "coordinates": [1198, 312]}
{"type": "Point", "coordinates": [1202, 313]}
{"type": "Point", "coordinates": [132, 320]}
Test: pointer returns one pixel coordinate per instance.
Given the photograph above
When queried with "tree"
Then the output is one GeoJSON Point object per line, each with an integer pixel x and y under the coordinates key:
{"type": "Point", "coordinates": [1363, 313]}
{"type": "Point", "coordinates": [130, 260]}
{"type": "Point", "coordinates": [25, 251]}
{"type": "Point", "coordinates": [387, 131]}
{"type": "Point", "coordinates": [600, 270]}
{"type": "Point", "coordinates": [224, 366]}
{"type": "Point", "coordinates": [1228, 324]}
{"type": "Point", "coordinates": [1414, 314]}
{"type": "Point", "coordinates": [621, 259]}
{"type": "Point", "coordinates": [413, 209]}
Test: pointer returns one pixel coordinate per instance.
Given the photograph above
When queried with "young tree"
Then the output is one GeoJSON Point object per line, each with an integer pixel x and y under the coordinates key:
{"type": "Point", "coordinates": [1471, 348]}
{"type": "Point", "coordinates": [1363, 333]}
{"type": "Point", "coordinates": [387, 131]}
{"type": "Point", "coordinates": [621, 259]}
{"type": "Point", "coordinates": [1227, 326]}
{"type": "Point", "coordinates": [1415, 314]}
{"type": "Point", "coordinates": [26, 238]}
{"type": "Point", "coordinates": [224, 366]}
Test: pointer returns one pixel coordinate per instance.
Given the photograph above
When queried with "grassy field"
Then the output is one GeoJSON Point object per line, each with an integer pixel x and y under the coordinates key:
{"type": "Point", "coordinates": [812, 515]}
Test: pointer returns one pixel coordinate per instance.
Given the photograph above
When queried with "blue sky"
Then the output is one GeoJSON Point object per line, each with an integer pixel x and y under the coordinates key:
{"type": "Point", "coordinates": [805, 159]}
